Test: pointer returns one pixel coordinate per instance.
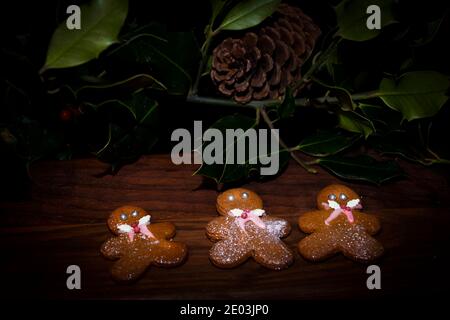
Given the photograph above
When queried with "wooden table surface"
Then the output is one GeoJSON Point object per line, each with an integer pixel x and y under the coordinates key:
{"type": "Point", "coordinates": [64, 224]}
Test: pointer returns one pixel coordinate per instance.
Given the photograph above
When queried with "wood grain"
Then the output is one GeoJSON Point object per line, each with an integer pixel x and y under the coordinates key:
{"type": "Point", "coordinates": [65, 223]}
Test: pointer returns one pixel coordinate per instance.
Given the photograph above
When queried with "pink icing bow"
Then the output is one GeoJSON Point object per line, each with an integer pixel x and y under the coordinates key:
{"type": "Point", "coordinates": [338, 209]}
{"type": "Point", "coordinates": [140, 227]}
{"type": "Point", "coordinates": [242, 216]}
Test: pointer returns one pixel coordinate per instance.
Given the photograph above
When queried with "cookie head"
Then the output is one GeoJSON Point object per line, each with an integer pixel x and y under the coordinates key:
{"type": "Point", "coordinates": [336, 192]}
{"type": "Point", "coordinates": [238, 198]}
{"type": "Point", "coordinates": [126, 215]}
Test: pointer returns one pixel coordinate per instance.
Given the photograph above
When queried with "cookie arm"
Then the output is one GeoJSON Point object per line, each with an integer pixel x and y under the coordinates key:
{"type": "Point", "coordinates": [164, 230]}
{"type": "Point", "coordinates": [278, 257]}
{"type": "Point", "coordinates": [280, 227]}
{"type": "Point", "coordinates": [217, 229]}
{"type": "Point", "coordinates": [113, 248]}
{"type": "Point", "coordinates": [128, 269]}
{"type": "Point", "coordinates": [370, 222]}
{"type": "Point", "coordinates": [317, 247]}
{"type": "Point", "coordinates": [169, 253]}
{"type": "Point", "coordinates": [366, 249]}
{"type": "Point", "coordinates": [309, 222]}
{"type": "Point", "coordinates": [229, 254]}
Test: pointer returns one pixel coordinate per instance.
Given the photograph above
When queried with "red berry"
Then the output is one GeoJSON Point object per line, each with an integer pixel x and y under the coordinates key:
{"type": "Point", "coordinates": [244, 215]}
{"type": "Point", "coordinates": [65, 115]}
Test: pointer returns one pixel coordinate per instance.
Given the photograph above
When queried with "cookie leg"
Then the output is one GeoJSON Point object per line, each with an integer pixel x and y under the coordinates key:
{"type": "Point", "coordinates": [129, 269]}
{"type": "Point", "coordinates": [228, 254]}
{"type": "Point", "coordinates": [317, 247]}
{"type": "Point", "coordinates": [274, 255]}
{"type": "Point", "coordinates": [362, 247]}
{"type": "Point", "coordinates": [169, 253]}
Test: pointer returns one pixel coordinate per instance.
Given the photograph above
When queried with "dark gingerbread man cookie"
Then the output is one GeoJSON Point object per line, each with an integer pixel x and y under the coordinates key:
{"type": "Point", "coordinates": [244, 231]}
{"type": "Point", "coordinates": [139, 244]}
{"type": "Point", "coordinates": [339, 226]}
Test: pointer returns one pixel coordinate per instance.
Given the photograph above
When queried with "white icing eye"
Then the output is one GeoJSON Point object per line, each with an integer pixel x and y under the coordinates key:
{"type": "Point", "coordinates": [332, 197]}
{"type": "Point", "coordinates": [244, 195]}
{"type": "Point", "coordinates": [123, 216]}
{"type": "Point", "coordinates": [134, 214]}
{"type": "Point", "coordinates": [342, 196]}
{"type": "Point", "coordinates": [230, 197]}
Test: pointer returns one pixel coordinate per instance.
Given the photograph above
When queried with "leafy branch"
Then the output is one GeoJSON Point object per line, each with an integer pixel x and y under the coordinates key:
{"type": "Point", "coordinates": [106, 91]}
{"type": "Point", "coordinates": [348, 107]}
{"type": "Point", "coordinates": [283, 144]}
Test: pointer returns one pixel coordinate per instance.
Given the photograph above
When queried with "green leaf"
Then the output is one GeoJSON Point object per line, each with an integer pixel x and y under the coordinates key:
{"type": "Point", "coordinates": [102, 92]}
{"type": "Point", "coordinates": [139, 106]}
{"type": "Point", "coordinates": [101, 22]}
{"type": "Point", "coordinates": [127, 142]}
{"type": "Point", "coordinates": [342, 94]}
{"type": "Point", "coordinates": [35, 141]}
{"type": "Point", "coordinates": [332, 62]}
{"type": "Point", "coordinates": [65, 153]}
{"type": "Point", "coordinates": [354, 122]}
{"type": "Point", "coordinates": [362, 167]}
{"type": "Point", "coordinates": [352, 17]}
{"type": "Point", "coordinates": [216, 7]}
{"type": "Point", "coordinates": [415, 95]}
{"type": "Point", "coordinates": [394, 145]}
{"type": "Point", "coordinates": [227, 172]}
{"type": "Point", "coordinates": [170, 57]}
{"type": "Point", "coordinates": [208, 67]}
{"type": "Point", "coordinates": [327, 143]}
{"type": "Point", "coordinates": [287, 107]}
{"type": "Point", "coordinates": [230, 171]}
{"type": "Point", "coordinates": [383, 119]}
{"type": "Point", "coordinates": [430, 31]}
{"type": "Point", "coordinates": [248, 13]}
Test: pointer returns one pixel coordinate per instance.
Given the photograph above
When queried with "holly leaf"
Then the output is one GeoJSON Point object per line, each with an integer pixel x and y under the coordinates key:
{"type": "Point", "coordinates": [33, 141]}
{"type": "Point", "coordinates": [415, 95]}
{"type": "Point", "coordinates": [327, 143]}
{"type": "Point", "coordinates": [126, 142]}
{"type": "Point", "coordinates": [429, 32]}
{"type": "Point", "coordinates": [362, 168]}
{"type": "Point", "coordinates": [170, 57]}
{"type": "Point", "coordinates": [101, 22]}
{"type": "Point", "coordinates": [230, 170]}
{"type": "Point", "coordinates": [101, 92]}
{"type": "Point", "coordinates": [355, 122]}
{"type": "Point", "coordinates": [396, 146]}
{"type": "Point", "coordinates": [383, 119]}
{"type": "Point", "coordinates": [248, 13]}
{"type": "Point", "coordinates": [216, 8]}
{"type": "Point", "coordinates": [343, 95]}
{"type": "Point", "coordinates": [287, 107]}
{"type": "Point", "coordinates": [352, 18]}
{"type": "Point", "coordinates": [332, 64]}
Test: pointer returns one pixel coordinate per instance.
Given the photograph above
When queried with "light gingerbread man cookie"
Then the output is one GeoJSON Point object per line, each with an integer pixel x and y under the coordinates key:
{"type": "Point", "coordinates": [139, 244]}
{"type": "Point", "coordinates": [339, 226]}
{"type": "Point", "coordinates": [244, 230]}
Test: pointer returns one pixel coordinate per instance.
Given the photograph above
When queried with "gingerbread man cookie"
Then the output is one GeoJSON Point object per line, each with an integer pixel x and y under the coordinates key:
{"type": "Point", "coordinates": [339, 226]}
{"type": "Point", "coordinates": [244, 231]}
{"type": "Point", "coordinates": [139, 244]}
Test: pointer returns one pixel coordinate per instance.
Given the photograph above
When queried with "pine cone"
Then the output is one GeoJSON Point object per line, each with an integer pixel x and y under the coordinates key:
{"type": "Point", "coordinates": [262, 63]}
